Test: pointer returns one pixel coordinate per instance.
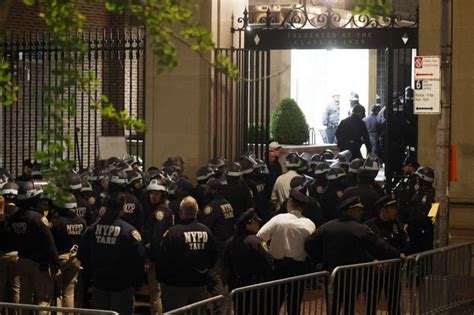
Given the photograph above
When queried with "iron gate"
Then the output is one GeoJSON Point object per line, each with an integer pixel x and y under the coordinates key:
{"type": "Point", "coordinates": [117, 58]}
{"type": "Point", "coordinates": [241, 108]}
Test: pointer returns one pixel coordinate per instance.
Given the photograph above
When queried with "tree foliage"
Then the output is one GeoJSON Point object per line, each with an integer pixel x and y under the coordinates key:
{"type": "Point", "coordinates": [374, 7]}
{"type": "Point", "coordinates": [288, 123]}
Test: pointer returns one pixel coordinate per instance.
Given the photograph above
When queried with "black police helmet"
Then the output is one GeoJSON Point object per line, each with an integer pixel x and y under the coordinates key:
{"type": "Point", "coordinates": [66, 201]}
{"type": "Point", "coordinates": [426, 174]}
{"type": "Point", "coordinates": [28, 190]}
{"type": "Point", "coordinates": [246, 165]}
{"type": "Point", "coordinates": [327, 155]}
{"type": "Point", "coordinates": [355, 165]}
{"type": "Point", "coordinates": [233, 170]}
{"type": "Point", "coordinates": [10, 190]}
{"type": "Point", "coordinates": [335, 173]}
{"type": "Point", "coordinates": [118, 177]}
{"type": "Point", "coordinates": [74, 181]}
{"type": "Point", "coordinates": [293, 161]}
{"type": "Point", "coordinates": [321, 168]}
{"type": "Point", "coordinates": [204, 173]}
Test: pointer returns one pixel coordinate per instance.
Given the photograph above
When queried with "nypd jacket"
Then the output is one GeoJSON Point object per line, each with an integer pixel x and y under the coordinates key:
{"type": "Point", "coordinates": [112, 252]}
{"type": "Point", "coordinates": [67, 230]}
{"type": "Point", "coordinates": [186, 253]}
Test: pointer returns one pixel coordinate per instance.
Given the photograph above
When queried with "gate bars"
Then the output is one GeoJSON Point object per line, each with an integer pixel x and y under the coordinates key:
{"type": "Point", "coordinates": [431, 282]}
{"type": "Point", "coordinates": [117, 58]}
{"type": "Point", "coordinates": [240, 111]}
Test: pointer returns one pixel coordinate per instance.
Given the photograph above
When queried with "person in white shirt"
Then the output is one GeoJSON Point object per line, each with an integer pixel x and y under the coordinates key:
{"type": "Point", "coordinates": [281, 189]}
{"type": "Point", "coordinates": [287, 233]}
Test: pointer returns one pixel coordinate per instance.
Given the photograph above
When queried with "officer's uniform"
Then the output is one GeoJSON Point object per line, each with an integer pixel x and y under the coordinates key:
{"type": "Point", "coordinates": [287, 233]}
{"type": "Point", "coordinates": [405, 190]}
{"type": "Point", "coordinates": [36, 252]}
{"type": "Point", "coordinates": [84, 209]}
{"type": "Point", "coordinates": [239, 195]}
{"type": "Point", "coordinates": [260, 197]}
{"type": "Point", "coordinates": [133, 212]}
{"type": "Point", "coordinates": [112, 251]}
{"type": "Point", "coordinates": [219, 217]}
{"type": "Point", "coordinates": [367, 195]}
{"type": "Point", "coordinates": [345, 241]}
{"type": "Point", "coordinates": [248, 261]}
{"type": "Point", "coordinates": [186, 254]}
{"type": "Point", "coordinates": [331, 198]}
{"type": "Point", "coordinates": [420, 226]}
{"type": "Point", "coordinates": [393, 233]}
{"type": "Point", "coordinates": [9, 278]}
{"type": "Point", "coordinates": [351, 134]}
{"type": "Point", "coordinates": [67, 229]}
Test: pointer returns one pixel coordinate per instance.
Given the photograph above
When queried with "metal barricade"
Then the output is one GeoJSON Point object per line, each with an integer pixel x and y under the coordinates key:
{"type": "Point", "coordinates": [305, 294]}
{"type": "Point", "coordinates": [361, 288]}
{"type": "Point", "coordinates": [23, 309]}
{"type": "Point", "coordinates": [215, 305]}
{"type": "Point", "coordinates": [444, 278]}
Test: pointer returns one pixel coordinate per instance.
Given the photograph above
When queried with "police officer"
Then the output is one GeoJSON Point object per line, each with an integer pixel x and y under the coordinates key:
{"type": "Point", "coordinates": [420, 226]}
{"type": "Point", "coordinates": [365, 191]}
{"type": "Point", "coordinates": [161, 219]}
{"type": "Point", "coordinates": [84, 209]}
{"type": "Point", "coordinates": [352, 133]}
{"type": "Point", "coordinates": [354, 101]}
{"type": "Point", "coordinates": [320, 181]}
{"type": "Point", "coordinates": [38, 255]}
{"type": "Point", "coordinates": [133, 211]}
{"type": "Point", "coordinates": [218, 166]}
{"type": "Point", "coordinates": [405, 188]}
{"type": "Point", "coordinates": [135, 183]}
{"type": "Point", "coordinates": [391, 230]}
{"type": "Point", "coordinates": [67, 228]}
{"type": "Point", "coordinates": [354, 167]}
{"type": "Point", "coordinates": [252, 173]}
{"type": "Point", "coordinates": [235, 191]}
{"type": "Point", "coordinates": [247, 261]}
{"type": "Point", "coordinates": [186, 254]}
{"type": "Point", "coordinates": [331, 117]}
{"type": "Point", "coordinates": [9, 278]}
{"type": "Point", "coordinates": [202, 176]}
{"type": "Point", "coordinates": [332, 194]}
{"type": "Point", "coordinates": [373, 128]}
{"type": "Point", "coordinates": [183, 188]}
{"type": "Point", "coordinates": [347, 241]}
{"type": "Point", "coordinates": [218, 215]}
{"type": "Point", "coordinates": [287, 233]}
{"type": "Point", "coordinates": [112, 250]}
{"type": "Point", "coordinates": [281, 188]}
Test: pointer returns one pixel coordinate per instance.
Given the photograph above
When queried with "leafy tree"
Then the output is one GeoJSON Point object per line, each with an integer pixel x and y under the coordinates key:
{"type": "Point", "coordinates": [288, 124]}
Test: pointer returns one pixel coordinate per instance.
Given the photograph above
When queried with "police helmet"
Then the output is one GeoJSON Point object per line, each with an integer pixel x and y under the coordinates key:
{"type": "Point", "coordinates": [73, 181]}
{"type": "Point", "coordinates": [299, 182]}
{"type": "Point", "coordinates": [133, 176]}
{"type": "Point", "coordinates": [86, 186]}
{"type": "Point", "coordinates": [156, 185]}
{"type": "Point", "coordinates": [247, 165]}
{"type": "Point", "coordinates": [260, 163]}
{"type": "Point", "coordinates": [233, 170]}
{"type": "Point", "coordinates": [123, 166]}
{"type": "Point", "coordinates": [409, 94]}
{"type": "Point", "coordinates": [305, 161]}
{"type": "Point", "coordinates": [315, 158]}
{"type": "Point", "coordinates": [5, 175]}
{"type": "Point", "coordinates": [335, 173]}
{"type": "Point", "coordinates": [327, 155]}
{"type": "Point", "coordinates": [10, 190]}
{"type": "Point", "coordinates": [355, 165]}
{"type": "Point", "coordinates": [66, 201]}
{"type": "Point", "coordinates": [118, 177]}
{"type": "Point", "coordinates": [426, 174]}
{"type": "Point", "coordinates": [216, 163]}
{"type": "Point", "coordinates": [28, 190]}
{"type": "Point", "coordinates": [378, 99]}
{"type": "Point", "coordinates": [97, 175]}
{"type": "Point", "coordinates": [204, 173]}
{"type": "Point", "coordinates": [370, 167]}
{"type": "Point", "coordinates": [293, 161]}
{"type": "Point", "coordinates": [321, 168]}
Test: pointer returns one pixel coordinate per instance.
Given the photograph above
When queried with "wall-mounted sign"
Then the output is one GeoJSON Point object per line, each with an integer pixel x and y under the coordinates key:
{"type": "Point", "coordinates": [427, 73]}
{"type": "Point", "coordinates": [347, 38]}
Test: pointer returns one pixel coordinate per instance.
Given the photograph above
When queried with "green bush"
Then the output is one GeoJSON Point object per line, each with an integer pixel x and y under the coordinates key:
{"type": "Point", "coordinates": [288, 124]}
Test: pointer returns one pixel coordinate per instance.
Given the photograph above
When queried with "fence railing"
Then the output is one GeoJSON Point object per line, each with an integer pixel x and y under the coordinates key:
{"type": "Point", "coordinates": [16, 309]}
{"type": "Point", "coordinates": [426, 283]}
{"type": "Point", "coordinates": [305, 294]}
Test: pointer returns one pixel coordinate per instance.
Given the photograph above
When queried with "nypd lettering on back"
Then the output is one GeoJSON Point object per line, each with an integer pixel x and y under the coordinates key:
{"type": "Point", "coordinates": [196, 239]}
{"type": "Point", "coordinates": [74, 229]}
{"type": "Point", "coordinates": [107, 234]}
{"type": "Point", "coordinates": [19, 227]}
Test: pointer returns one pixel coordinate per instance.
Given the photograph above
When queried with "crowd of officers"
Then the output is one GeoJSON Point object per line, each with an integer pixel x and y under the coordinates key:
{"type": "Point", "coordinates": [114, 228]}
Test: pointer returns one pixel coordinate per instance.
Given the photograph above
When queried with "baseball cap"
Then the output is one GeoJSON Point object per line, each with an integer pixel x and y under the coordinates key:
{"type": "Point", "coordinates": [274, 145]}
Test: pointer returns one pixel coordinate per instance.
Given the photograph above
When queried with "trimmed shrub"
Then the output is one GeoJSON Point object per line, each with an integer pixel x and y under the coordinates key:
{"type": "Point", "coordinates": [288, 124]}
